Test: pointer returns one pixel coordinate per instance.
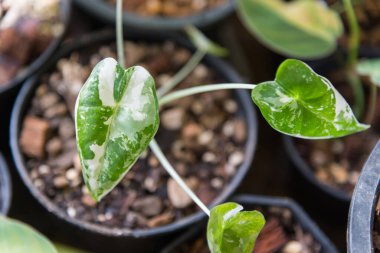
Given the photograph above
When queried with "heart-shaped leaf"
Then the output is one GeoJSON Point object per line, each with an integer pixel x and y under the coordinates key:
{"type": "Point", "coordinates": [17, 237]}
{"type": "Point", "coordinates": [231, 231]}
{"type": "Point", "coordinates": [371, 68]}
{"type": "Point", "coordinates": [301, 103]}
{"type": "Point", "coordinates": [116, 118]}
{"type": "Point", "coordinates": [201, 42]}
{"type": "Point", "coordinates": [302, 29]}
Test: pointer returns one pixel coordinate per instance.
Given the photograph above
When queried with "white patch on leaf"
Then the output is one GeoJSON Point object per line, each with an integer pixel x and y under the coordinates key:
{"type": "Point", "coordinates": [106, 81]}
{"type": "Point", "coordinates": [232, 212]}
{"type": "Point", "coordinates": [133, 100]}
{"type": "Point", "coordinates": [94, 164]}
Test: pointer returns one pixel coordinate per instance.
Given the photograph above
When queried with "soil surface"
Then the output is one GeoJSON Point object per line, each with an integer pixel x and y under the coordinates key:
{"type": "Point", "coordinates": [368, 14]}
{"type": "Point", "coordinates": [281, 234]}
{"type": "Point", "coordinates": [203, 137]}
{"type": "Point", "coordinates": [338, 162]}
{"type": "Point", "coordinates": [169, 8]}
{"type": "Point", "coordinates": [26, 29]}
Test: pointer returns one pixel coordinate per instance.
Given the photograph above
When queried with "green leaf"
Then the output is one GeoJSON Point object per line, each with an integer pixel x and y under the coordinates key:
{"type": "Point", "coordinates": [66, 249]}
{"type": "Point", "coordinates": [232, 231]}
{"type": "Point", "coordinates": [17, 237]}
{"type": "Point", "coordinates": [303, 104]}
{"type": "Point", "coordinates": [116, 118]}
{"type": "Point", "coordinates": [201, 42]}
{"type": "Point", "coordinates": [371, 68]}
{"type": "Point", "coordinates": [302, 28]}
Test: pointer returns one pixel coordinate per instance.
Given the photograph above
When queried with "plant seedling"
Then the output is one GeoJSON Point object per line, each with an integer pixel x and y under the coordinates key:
{"type": "Point", "coordinates": [309, 30]}
{"type": "Point", "coordinates": [117, 116]}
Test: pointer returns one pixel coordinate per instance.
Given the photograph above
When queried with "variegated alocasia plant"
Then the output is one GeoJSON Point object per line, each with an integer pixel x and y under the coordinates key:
{"type": "Point", "coordinates": [117, 116]}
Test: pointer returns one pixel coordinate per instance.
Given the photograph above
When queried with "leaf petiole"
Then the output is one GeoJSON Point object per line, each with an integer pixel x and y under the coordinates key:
{"type": "Point", "coordinates": [202, 89]}
{"type": "Point", "coordinates": [119, 33]}
{"type": "Point", "coordinates": [169, 168]}
{"type": "Point", "coordinates": [182, 73]}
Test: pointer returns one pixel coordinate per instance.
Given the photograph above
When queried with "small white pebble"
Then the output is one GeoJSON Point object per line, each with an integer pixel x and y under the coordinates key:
{"type": "Point", "coordinates": [72, 174]}
{"type": "Point", "coordinates": [293, 247]}
{"type": "Point", "coordinates": [44, 169]}
{"type": "Point", "coordinates": [217, 183]}
{"type": "Point", "coordinates": [209, 157]}
{"type": "Point", "coordinates": [205, 137]}
{"type": "Point", "coordinates": [236, 158]}
{"type": "Point", "coordinates": [71, 211]}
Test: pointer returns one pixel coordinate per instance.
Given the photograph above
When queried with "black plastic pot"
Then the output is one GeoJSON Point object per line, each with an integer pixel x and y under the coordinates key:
{"type": "Point", "coordinates": [5, 187]}
{"type": "Point", "coordinates": [8, 91]}
{"type": "Point", "coordinates": [362, 209]}
{"type": "Point", "coordinates": [316, 192]}
{"type": "Point", "coordinates": [36, 64]}
{"type": "Point", "coordinates": [143, 240]}
{"type": "Point", "coordinates": [106, 12]}
{"type": "Point", "coordinates": [250, 202]}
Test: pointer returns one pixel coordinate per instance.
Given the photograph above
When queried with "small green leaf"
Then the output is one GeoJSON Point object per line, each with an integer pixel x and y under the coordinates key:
{"type": "Point", "coordinates": [67, 249]}
{"type": "Point", "coordinates": [203, 43]}
{"type": "Point", "coordinates": [302, 28]}
{"type": "Point", "coordinates": [116, 118]}
{"type": "Point", "coordinates": [232, 231]}
{"type": "Point", "coordinates": [16, 237]}
{"type": "Point", "coordinates": [303, 104]}
{"type": "Point", "coordinates": [371, 68]}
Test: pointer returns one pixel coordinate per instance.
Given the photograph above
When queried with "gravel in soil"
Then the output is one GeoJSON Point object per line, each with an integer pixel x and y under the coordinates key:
{"type": "Point", "coordinates": [203, 137]}
{"type": "Point", "coordinates": [26, 29]}
{"type": "Point", "coordinates": [169, 8]}
{"type": "Point", "coordinates": [368, 15]}
{"type": "Point", "coordinates": [281, 234]}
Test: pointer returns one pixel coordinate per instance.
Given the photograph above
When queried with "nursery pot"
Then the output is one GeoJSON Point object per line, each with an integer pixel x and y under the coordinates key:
{"type": "Point", "coordinates": [5, 187]}
{"type": "Point", "coordinates": [107, 13]}
{"type": "Point", "coordinates": [250, 202]}
{"type": "Point", "coordinates": [31, 68]}
{"type": "Point", "coordinates": [101, 238]}
{"type": "Point", "coordinates": [9, 90]}
{"type": "Point", "coordinates": [362, 209]}
{"type": "Point", "coordinates": [321, 193]}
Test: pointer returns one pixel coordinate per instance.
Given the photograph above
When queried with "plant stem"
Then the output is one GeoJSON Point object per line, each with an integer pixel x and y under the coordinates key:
{"type": "Point", "coordinates": [182, 73]}
{"type": "Point", "coordinates": [353, 47]}
{"type": "Point", "coordinates": [204, 88]}
{"type": "Point", "coordinates": [354, 38]}
{"type": "Point", "coordinates": [169, 168]}
{"type": "Point", "coordinates": [119, 32]}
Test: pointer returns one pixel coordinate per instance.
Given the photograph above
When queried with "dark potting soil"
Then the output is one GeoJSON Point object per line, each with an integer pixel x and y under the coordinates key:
{"type": "Point", "coordinates": [202, 136]}
{"type": "Point", "coordinates": [376, 228]}
{"type": "Point", "coordinates": [26, 29]}
{"type": "Point", "coordinates": [338, 162]}
{"type": "Point", "coordinates": [169, 8]}
{"type": "Point", "coordinates": [281, 234]}
{"type": "Point", "coordinates": [368, 14]}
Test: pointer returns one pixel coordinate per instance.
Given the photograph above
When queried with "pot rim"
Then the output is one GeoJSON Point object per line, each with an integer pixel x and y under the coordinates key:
{"type": "Point", "coordinates": [40, 61]}
{"type": "Point", "coordinates": [28, 91]}
{"type": "Point", "coordinates": [362, 208]}
{"type": "Point", "coordinates": [305, 169]}
{"type": "Point", "coordinates": [5, 187]}
{"type": "Point", "coordinates": [106, 12]}
{"type": "Point", "coordinates": [298, 213]}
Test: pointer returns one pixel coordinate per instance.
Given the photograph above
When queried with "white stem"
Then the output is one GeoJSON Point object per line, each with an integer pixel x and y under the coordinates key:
{"type": "Point", "coordinates": [204, 88]}
{"type": "Point", "coordinates": [169, 168]}
{"type": "Point", "coordinates": [119, 32]}
{"type": "Point", "coordinates": [182, 73]}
